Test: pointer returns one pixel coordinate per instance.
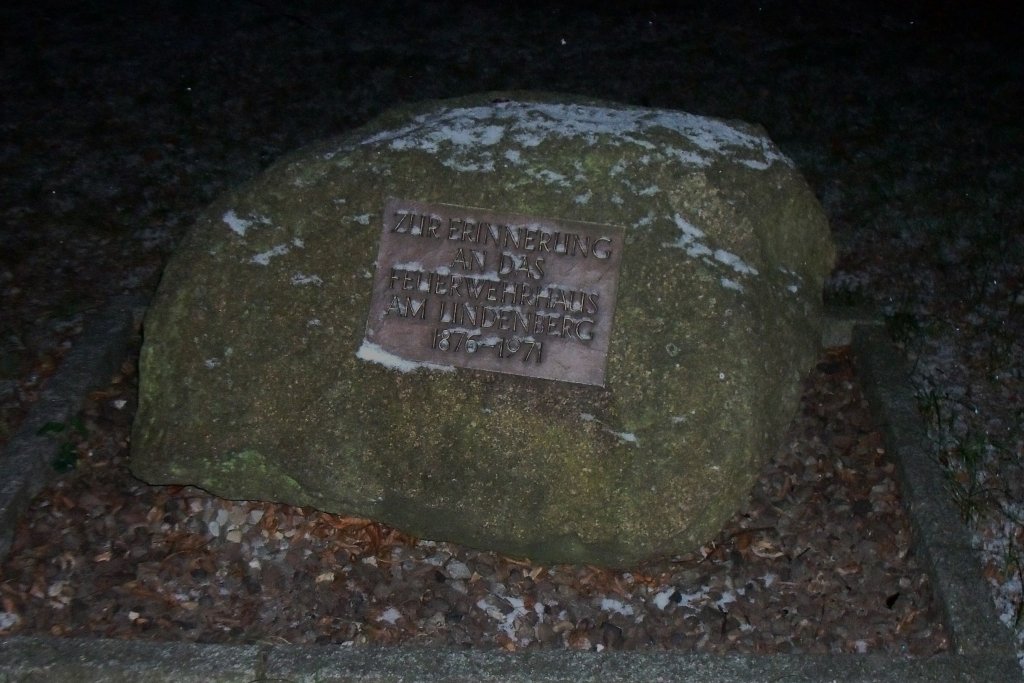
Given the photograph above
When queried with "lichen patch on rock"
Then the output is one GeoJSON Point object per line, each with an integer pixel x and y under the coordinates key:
{"type": "Point", "coordinates": [719, 227]}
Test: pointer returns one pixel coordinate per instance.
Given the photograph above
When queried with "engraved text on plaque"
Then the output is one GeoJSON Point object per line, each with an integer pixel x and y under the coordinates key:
{"type": "Point", "coordinates": [474, 288]}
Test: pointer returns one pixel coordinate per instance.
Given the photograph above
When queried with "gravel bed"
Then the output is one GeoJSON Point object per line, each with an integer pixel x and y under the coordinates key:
{"type": "Point", "coordinates": [817, 561]}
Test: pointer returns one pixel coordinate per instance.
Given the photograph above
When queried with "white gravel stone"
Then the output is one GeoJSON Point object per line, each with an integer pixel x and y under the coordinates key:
{"type": "Point", "coordinates": [8, 620]}
{"type": "Point", "coordinates": [458, 570]}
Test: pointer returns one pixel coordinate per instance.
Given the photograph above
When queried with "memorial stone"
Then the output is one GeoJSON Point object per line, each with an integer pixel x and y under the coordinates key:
{"type": "Point", "coordinates": [557, 328]}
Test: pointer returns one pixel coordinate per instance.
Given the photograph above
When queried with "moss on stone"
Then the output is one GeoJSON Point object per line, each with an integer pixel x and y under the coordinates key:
{"type": "Point", "coordinates": [250, 386]}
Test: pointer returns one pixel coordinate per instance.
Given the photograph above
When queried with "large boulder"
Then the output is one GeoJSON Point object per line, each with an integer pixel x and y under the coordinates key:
{"type": "Point", "coordinates": [261, 378]}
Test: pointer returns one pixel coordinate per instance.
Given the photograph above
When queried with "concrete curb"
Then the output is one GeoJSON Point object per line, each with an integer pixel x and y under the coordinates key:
{"type": "Point", "coordinates": [982, 649]}
{"type": "Point", "coordinates": [940, 536]}
{"type": "Point", "coordinates": [32, 660]}
{"type": "Point", "coordinates": [96, 355]}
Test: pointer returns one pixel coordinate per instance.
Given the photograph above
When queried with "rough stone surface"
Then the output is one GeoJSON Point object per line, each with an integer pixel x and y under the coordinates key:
{"type": "Point", "coordinates": [251, 386]}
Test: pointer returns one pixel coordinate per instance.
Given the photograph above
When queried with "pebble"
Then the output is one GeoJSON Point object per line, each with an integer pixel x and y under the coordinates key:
{"type": "Point", "coordinates": [545, 633]}
{"type": "Point", "coordinates": [458, 570]}
{"type": "Point", "coordinates": [237, 515]}
{"type": "Point", "coordinates": [562, 626]}
{"type": "Point", "coordinates": [436, 560]}
{"type": "Point", "coordinates": [435, 622]}
{"type": "Point", "coordinates": [8, 620]}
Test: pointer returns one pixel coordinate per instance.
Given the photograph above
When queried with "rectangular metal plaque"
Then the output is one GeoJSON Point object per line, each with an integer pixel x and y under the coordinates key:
{"type": "Point", "coordinates": [474, 288]}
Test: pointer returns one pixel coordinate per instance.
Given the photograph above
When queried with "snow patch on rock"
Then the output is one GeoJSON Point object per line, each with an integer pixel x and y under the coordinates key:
{"type": "Point", "coordinates": [300, 279]}
{"type": "Point", "coordinates": [628, 437]}
{"type": "Point", "coordinates": [263, 258]}
{"type": "Point", "coordinates": [374, 353]}
{"type": "Point", "coordinates": [690, 240]}
{"type": "Point", "coordinates": [239, 225]}
{"type": "Point", "coordinates": [462, 137]}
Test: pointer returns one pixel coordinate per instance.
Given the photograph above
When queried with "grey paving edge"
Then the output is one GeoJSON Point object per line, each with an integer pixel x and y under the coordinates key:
{"type": "Point", "coordinates": [940, 535]}
{"type": "Point", "coordinates": [983, 650]}
{"type": "Point", "coordinates": [25, 660]}
{"type": "Point", "coordinates": [56, 660]}
{"type": "Point", "coordinates": [26, 462]}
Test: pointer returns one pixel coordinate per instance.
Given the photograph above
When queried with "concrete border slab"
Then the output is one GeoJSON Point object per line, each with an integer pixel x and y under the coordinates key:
{"type": "Point", "coordinates": [940, 536]}
{"type": "Point", "coordinates": [92, 361]}
{"type": "Point", "coordinates": [983, 650]}
{"type": "Point", "coordinates": [25, 660]}
{"type": "Point", "coordinates": [55, 660]}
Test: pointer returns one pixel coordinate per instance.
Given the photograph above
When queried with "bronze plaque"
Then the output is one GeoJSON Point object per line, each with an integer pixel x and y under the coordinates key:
{"type": "Point", "coordinates": [474, 288]}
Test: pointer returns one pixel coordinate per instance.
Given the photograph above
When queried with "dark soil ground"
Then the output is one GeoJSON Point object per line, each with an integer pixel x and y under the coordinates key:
{"type": "Point", "coordinates": [119, 121]}
{"type": "Point", "coordinates": [817, 561]}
